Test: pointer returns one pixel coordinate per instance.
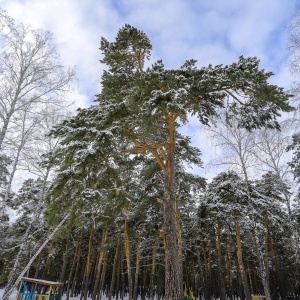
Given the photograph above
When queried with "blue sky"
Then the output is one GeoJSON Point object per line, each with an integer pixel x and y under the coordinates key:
{"type": "Point", "coordinates": [213, 32]}
{"type": "Point", "coordinates": [210, 31]}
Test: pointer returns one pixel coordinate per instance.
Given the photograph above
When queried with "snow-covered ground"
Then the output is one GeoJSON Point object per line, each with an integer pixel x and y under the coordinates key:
{"type": "Point", "coordinates": [14, 294]}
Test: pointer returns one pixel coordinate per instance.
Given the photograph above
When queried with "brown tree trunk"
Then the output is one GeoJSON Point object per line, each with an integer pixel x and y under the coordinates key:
{"type": "Point", "coordinates": [88, 264]}
{"type": "Point", "coordinates": [65, 263]}
{"type": "Point", "coordinates": [179, 237]}
{"type": "Point", "coordinates": [100, 260]}
{"type": "Point", "coordinates": [173, 285]}
{"type": "Point", "coordinates": [137, 267]}
{"type": "Point", "coordinates": [128, 257]}
{"type": "Point", "coordinates": [153, 268]}
{"type": "Point", "coordinates": [77, 251]}
{"type": "Point", "coordinates": [220, 265]}
{"type": "Point", "coordinates": [103, 273]}
{"type": "Point", "coordinates": [113, 275]}
{"type": "Point", "coordinates": [244, 280]}
{"type": "Point", "coordinates": [45, 271]}
{"type": "Point", "coordinates": [77, 266]}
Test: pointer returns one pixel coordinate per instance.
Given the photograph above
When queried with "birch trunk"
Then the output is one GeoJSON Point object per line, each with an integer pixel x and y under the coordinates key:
{"type": "Point", "coordinates": [263, 269]}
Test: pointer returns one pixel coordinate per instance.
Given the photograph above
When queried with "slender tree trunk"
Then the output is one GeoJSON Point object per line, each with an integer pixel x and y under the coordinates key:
{"type": "Point", "coordinates": [46, 267]}
{"type": "Point", "coordinates": [153, 268]}
{"type": "Point", "coordinates": [75, 259]}
{"type": "Point", "coordinates": [102, 278]}
{"type": "Point", "coordinates": [88, 264]}
{"type": "Point", "coordinates": [113, 275]}
{"type": "Point", "coordinates": [220, 268]}
{"type": "Point", "coordinates": [179, 237]}
{"type": "Point", "coordinates": [263, 269]}
{"type": "Point", "coordinates": [137, 267]}
{"type": "Point", "coordinates": [36, 274]}
{"type": "Point", "coordinates": [128, 257]}
{"type": "Point", "coordinates": [100, 260]}
{"type": "Point", "coordinates": [64, 266]}
{"type": "Point", "coordinates": [240, 257]}
{"type": "Point", "coordinates": [173, 285]}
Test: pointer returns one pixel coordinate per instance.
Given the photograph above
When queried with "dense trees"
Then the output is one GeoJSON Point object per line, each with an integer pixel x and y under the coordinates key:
{"type": "Point", "coordinates": [138, 222]}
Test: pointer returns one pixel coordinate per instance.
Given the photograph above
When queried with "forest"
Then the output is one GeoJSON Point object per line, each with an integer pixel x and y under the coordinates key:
{"type": "Point", "coordinates": [107, 201]}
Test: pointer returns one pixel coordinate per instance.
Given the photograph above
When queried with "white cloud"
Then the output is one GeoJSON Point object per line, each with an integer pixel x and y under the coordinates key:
{"type": "Point", "coordinates": [215, 32]}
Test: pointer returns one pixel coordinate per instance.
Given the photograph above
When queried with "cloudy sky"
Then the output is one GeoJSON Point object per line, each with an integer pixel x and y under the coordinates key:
{"type": "Point", "coordinates": [210, 31]}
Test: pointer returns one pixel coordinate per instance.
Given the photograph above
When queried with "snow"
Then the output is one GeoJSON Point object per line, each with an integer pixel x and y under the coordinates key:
{"type": "Point", "coordinates": [13, 296]}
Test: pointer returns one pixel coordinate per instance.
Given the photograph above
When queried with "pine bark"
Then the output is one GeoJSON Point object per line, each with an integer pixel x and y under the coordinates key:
{"type": "Point", "coordinates": [75, 259]}
{"type": "Point", "coordinates": [153, 268]}
{"type": "Point", "coordinates": [100, 261]}
{"type": "Point", "coordinates": [137, 267]}
{"type": "Point", "coordinates": [115, 264]}
{"type": "Point", "coordinates": [173, 285]}
{"type": "Point", "coordinates": [244, 280]}
{"type": "Point", "coordinates": [88, 264]}
{"type": "Point", "coordinates": [220, 265]}
{"type": "Point", "coordinates": [128, 257]}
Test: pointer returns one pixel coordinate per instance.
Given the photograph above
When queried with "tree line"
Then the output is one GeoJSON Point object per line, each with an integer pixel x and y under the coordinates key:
{"type": "Point", "coordinates": [140, 223]}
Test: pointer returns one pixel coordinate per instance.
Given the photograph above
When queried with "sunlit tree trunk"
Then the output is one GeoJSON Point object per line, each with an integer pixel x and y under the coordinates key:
{"type": "Point", "coordinates": [173, 285]}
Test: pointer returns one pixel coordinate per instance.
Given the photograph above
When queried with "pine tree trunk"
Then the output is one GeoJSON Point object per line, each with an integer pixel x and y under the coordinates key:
{"type": "Point", "coordinates": [137, 267]}
{"type": "Point", "coordinates": [244, 280]}
{"type": "Point", "coordinates": [77, 267]}
{"type": "Point", "coordinates": [65, 263]}
{"type": "Point", "coordinates": [153, 268]}
{"type": "Point", "coordinates": [75, 259]}
{"type": "Point", "coordinates": [100, 260]}
{"type": "Point", "coordinates": [128, 257]}
{"type": "Point", "coordinates": [207, 294]}
{"type": "Point", "coordinates": [102, 278]}
{"type": "Point", "coordinates": [36, 274]}
{"type": "Point", "coordinates": [88, 264]}
{"type": "Point", "coordinates": [173, 285]}
{"type": "Point", "coordinates": [220, 266]}
{"type": "Point", "coordinates": [45, 270]}
{"type": "Point", "coordinates": [113, 275]}
{"type": "Point", "coordinates": [179, 237]}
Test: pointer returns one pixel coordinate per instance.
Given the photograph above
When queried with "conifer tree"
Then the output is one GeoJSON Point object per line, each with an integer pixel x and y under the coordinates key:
{"type": "Point", "coordinates": [147, 106]}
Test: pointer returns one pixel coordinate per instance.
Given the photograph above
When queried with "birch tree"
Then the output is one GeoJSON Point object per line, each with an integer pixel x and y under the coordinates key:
{"type": "Point", "coordinates": [30, 75]}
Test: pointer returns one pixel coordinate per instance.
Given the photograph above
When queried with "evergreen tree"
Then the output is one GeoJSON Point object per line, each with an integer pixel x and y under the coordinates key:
{"type": "Point", "coordinates": [147, 106]}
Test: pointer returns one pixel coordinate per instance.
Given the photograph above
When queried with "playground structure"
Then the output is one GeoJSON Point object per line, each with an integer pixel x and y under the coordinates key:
{"type": "Point", "coordinates": [37, 289]}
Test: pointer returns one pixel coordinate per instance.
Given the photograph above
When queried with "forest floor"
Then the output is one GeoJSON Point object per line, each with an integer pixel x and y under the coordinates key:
{"type": "Point", "coordinates": [14, 294]}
